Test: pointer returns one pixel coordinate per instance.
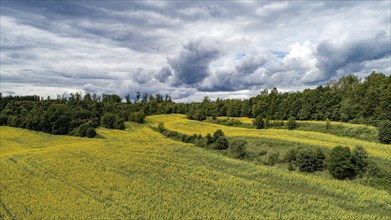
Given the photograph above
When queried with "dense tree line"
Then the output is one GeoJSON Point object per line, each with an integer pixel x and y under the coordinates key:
{"type": "Point", "coordinates": [349, 99]}
{"type": "Point", "coordinates": [78, 115]}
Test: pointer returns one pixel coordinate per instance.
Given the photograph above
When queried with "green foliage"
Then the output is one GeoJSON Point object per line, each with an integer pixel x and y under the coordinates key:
{"type": "Point", "coordinates": [340, 163]}
{"type": "Point", "coordinates": [138, 117]}
{"type": "Point", "coordinates": [237, 149]}
{"type": "Point", "coordinates": [119, 124]}
{"type": "Point", "coordinates": [292, 124]}
{"type": "Point", "coordinates": [3, 120]}
{"type": "Point", "coordinates": [198, 114]}
{"type": "Point", "coordinates": [220, 144]}
{"type": "Point", "coordinates": [218, 133]}
{"type": "Point", "coordinates": [328, 124]}
{"type": "Point", "coordinates": [384, 132]}
{"type": "Point", "coordinates": [360, 160]}
{"type": "Point", "coordinates": [90, 133]}
{"type": "Point", "coordinates": [258, 122]}
{"type": "Point", "coordinates": [310, 160]}
{"type": "Point", "coordinates": [61, 125]}
{"type": "Point", "coordinates": [262, 152]}
{"type": "Point", "coordinates": [108, 120]}
{"type": "Point", "coordinates": [273, 158]}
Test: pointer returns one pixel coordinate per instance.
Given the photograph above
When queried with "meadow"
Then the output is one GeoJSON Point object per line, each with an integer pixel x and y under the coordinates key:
{"type": "Point", "coordinates": [138, 173]}
{"type": "Point", "coordinates": [180, 124]}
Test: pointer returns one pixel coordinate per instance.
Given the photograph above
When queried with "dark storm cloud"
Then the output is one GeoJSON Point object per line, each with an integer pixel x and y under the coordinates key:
{"type": "Point", "coordinates": [191, 65]}
{"type": "Point", "coordinates": [348, 55]}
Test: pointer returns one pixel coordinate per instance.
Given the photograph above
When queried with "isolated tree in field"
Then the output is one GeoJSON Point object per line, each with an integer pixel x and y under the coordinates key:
{"type": "Point", "coordinates": [292, 124]}
{"type": "Point", "coordinates": [384, 132]}
{"type": "Point", "coordinates": [340, 163]}
{"type": "Point", "coordinates": [258, 122]}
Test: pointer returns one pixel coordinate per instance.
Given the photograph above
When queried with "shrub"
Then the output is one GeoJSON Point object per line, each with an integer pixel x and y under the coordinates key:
{"type": "Point", "coordinates": [161, 127]}
{"type": "Point", "coordinates": [218, 133]}
{"type": "Point", "coordinates": [108, 120]}
{"type": "Point", "coordinates": [310, 160]}
{"type": "Point", "coordinates": [262, 152]}
{"type": "Point", "coordinates": [258, 122]}
{"type": "Point", "coordinates": [90, 132]}
{"type": "Point", "coordinates": [360, 160]}
{"type": "Point", "coordinates": [82, 129]}
{"type": "Point", "coordinates": [340, 163]}
{"type": "Point", "coordinates": [221, 143]}
{"type": "Point", "coordinates": [138, 117]}
{"type": "Point", "coordinates": [292, 124]}
{"type": "Point", "coordinates": [61, 125]}
{"type": "Point", "coordinates": [3, 120]}
{"type": "Point", "coordinates": [237, 149]}
{"type": "Point", "coordinates": [384, 132]}
{"type": "Point", "coordinates": [119, 124]}
{"type": "Point", "coordinates": [273, 158]}
{"type": "Point", "coordinates": [328, 125]}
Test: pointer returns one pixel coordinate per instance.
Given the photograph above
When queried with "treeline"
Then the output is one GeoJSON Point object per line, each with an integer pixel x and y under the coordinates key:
{"type": "Point", "coordinates": [78, 115]}
{"type": "Point", "coordinates": [349, 100]}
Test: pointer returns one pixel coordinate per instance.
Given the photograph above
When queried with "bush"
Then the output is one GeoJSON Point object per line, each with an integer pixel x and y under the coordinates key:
{"type": "Point", "coordinates": [384, 132]}
{"type": "Point", "coordinates": [262, 152]}
{"type": "Point", "coordinates": [218, 133]}
{"type": "Point", "coordinates": [360, 160]}
{"type": "Point", "coordinates": [291, 155]}
{"type": "Point", "coordinates": [161, 127]}
{"type": "Point", "coordinates": [258, 122]}
{"type": "Point", "coordinates": [310, 160]}
{"type": "Point", "coordinates": [237, 149]}
{"type": "Point", "coordinates": [328, 125]}
{"type": "Point", "coordinates": [119, 124]}
{"type": "Point", "coordinates": [3, 120]}
{"type": "Point", "coordinates": [82, 129]}
{"type": "Point", "coordinates": [273, 158]}
{"type": "Point", "coordinates": [221, 143]}
{"type": "Point", "coordinates": [108, 120]}
{"type": "Point", "coordinates": [292, 124]}
{"type": "Point", "coordinates": [138, 117]}
{"type": "Point", "coordinates": [90, 132]}
{"type": "Point", "coordinates": [340, 163]}
{"type": "Point", "coordinates": [61, 125]}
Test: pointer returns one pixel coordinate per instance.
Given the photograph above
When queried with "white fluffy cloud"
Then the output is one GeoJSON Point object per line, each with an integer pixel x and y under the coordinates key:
{"type": "Point", "coordinates": [188, 49]}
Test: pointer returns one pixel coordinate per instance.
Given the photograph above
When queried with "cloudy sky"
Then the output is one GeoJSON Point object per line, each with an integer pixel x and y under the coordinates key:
{"type": "Point", "coordinates": [227, 49]}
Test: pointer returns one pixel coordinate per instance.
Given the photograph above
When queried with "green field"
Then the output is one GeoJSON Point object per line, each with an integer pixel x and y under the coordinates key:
{"type": "Point", "coordinates": [139, 173]}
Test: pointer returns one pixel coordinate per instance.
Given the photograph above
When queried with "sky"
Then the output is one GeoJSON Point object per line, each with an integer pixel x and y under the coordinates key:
{"type": "Point", "coordinates": [188, 49]}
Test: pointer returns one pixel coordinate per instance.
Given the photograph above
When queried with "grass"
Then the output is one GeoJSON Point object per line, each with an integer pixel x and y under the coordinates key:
{"type": "Point", "coordinates": [180, 124]}
{"type": "Point", "coordinates": [357, 131]}
{"type": "Point", "coordinates": [138, 173]}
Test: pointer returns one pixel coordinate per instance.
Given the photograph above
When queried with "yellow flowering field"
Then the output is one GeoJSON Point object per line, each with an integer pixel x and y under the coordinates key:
{"type": "Point", "coordinates": [181, 124]}
{"type": "Point", "coordinates": [138, 173]}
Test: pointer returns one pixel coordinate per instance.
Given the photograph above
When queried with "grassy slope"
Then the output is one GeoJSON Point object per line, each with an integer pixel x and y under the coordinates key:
{"type": "Point", "coordinates": [180, 124]}
{"type": "Point", "coordinates": [358, 131]}
{"type": "Point", "coordinates": [139, 173]}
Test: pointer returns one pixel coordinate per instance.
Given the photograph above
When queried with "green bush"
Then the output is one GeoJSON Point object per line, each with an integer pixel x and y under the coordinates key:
{"type": "Point", "coordinates": [340, 163]}
{"type": "Point", "coordinates": [384, 132]}
{"type": "Point", "coordinates": [360, 160]}
{"type": "Point", "coordinates": [108, 120]}
{"type": "Point", "coordinates": [237, 149]}
{"type": "Point", "coordinates": [138, 117]}
{"type": "Point", "coordinates": [90, 132]}
{"type": "Point", "coordinates": [310, 160]}
{"type": "Point", "coordinates": [273, 158]}
{"type": "Point", "coordinates": [292, 124]}
{"type": "Point", "coordinates": [221, 143]}
{"type": "Point", "coordinates": [258, 122]}
{"type": "Point", "coordinates": [218, 133]}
